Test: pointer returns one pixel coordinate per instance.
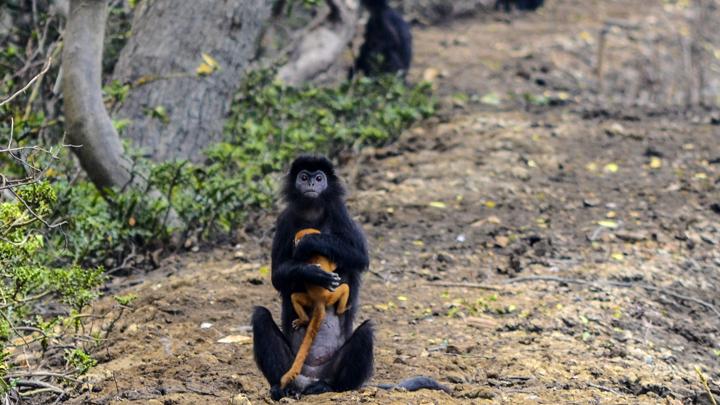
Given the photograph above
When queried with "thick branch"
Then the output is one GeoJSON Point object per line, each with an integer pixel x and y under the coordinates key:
{"type": "Point", "coordinates": [322, 45]}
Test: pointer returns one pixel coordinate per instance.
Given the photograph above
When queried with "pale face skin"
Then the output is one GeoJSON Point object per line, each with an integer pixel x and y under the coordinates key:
{"type": "Point", "coordinates": [311, 184]}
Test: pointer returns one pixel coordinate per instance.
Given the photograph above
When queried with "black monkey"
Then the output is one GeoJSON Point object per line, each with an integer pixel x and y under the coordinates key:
{"type": "Point", "coordinates": [388, 42]}
{"type": "Point", "coordinates": [340, 359]}
{"type": "Point", "coordinates": [529, 5]}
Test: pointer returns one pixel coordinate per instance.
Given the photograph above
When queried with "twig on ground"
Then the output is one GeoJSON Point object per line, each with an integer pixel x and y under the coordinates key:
{"type": "Point", "coordinates": [705, 385]}
{"type": "Point", "coordinates": [42, 373]}
{"type": "Point", "coordinates": [601, 283]}
{"type": "Point", "coordinates": [45, 387]}
{"type": "Point", "coordinates": [604, 388]}
{"type": "Point", "coordinates": [468, 285]}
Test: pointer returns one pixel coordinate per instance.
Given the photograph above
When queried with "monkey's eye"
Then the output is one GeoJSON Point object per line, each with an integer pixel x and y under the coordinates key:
{"type": "Point", "coordinates": [304, 177]}
{"type": "Point", "coordinates": [318, 179]}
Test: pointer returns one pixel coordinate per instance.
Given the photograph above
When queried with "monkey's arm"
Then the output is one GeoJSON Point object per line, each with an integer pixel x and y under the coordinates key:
{"type": "Point", "coordinates": [290, 274]}
{"type": "Point", "coordinates": [348, 253]}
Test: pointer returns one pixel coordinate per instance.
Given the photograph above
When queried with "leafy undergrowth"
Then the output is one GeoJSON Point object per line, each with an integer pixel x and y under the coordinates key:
{"type": "Point", "coordinates": [270, 124]}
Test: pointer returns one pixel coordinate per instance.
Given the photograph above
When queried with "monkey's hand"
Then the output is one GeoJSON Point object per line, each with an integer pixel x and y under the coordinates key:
{"type": "Point", "coordinates": [311, 245]}
{"type": "Point", "coordinates": [315, 275]}
{"type": "Point", "coordinates": [299, 323]}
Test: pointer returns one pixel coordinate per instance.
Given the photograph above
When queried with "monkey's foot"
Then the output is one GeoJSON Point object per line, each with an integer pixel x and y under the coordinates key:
{"type": "Point", "coordinates": [299, 323]}
{"type": "Point", "coordinates": [277, 393]}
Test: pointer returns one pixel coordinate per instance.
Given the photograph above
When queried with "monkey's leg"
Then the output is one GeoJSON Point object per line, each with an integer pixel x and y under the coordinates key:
{"type": "Point", "coordinates": [351, 366]}
{"type": "Point", "coordinates": [272, 351]}
{"type": "Point", "coordinates": [299, 301]}
{"type": "Point", "coordinates": [340, 296]}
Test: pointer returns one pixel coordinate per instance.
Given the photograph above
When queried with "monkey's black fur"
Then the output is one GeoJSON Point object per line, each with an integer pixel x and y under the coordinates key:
{"type": "Point", "coordinates": [388, 42]}
{"type": "Point", "coordinates": [527, 5]}
{"type": "Point", "coordinates": [350, 361]}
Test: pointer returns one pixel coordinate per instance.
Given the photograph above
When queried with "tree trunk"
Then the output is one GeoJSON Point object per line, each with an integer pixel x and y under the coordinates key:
{"type": "Point", "coordinates": [161, 59]}
{"type": "Point", "coordinates": [88, 124]}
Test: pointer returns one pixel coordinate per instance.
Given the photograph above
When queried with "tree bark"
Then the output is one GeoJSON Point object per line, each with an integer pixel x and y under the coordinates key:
{"type": "Point", "coordinates": [161, 58]}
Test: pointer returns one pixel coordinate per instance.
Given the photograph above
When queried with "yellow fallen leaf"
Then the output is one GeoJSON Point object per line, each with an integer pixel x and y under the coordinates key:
{"type": "Point", "coordinates": [586, 36]}
{"type": "Point", "coordinates": [418, 243]}
{"type": "Point", "coordinates": [402, 298]}
{"type": "Point", "coordinates": [204, 70]}
{"type": "Point", "coordinates": [655, 162]}
{"type": "Point", "coordinates": [491, 98]}
{"type": "Point", "coordinates": [618, 256]}
{"type": "Point", "coordinates": [608, 224]}
{"type": "Point", "coordinates": [430, 74]}
{"type": "Point", "coordinates": [381, 307]}
{"type": "Point", "coordinates": [208, 66]}
{"type": "Point", "coordinates": [238, 339]}
{"type": "Point", "coordinates": [210, 60]}
{"type": "Point", "coordinates": [490, 204]}
{"type": "Point", "coordinates": [611, 214]}
{"type": "Point", "coordinates": [700, 176]}
{"type": "Point", "coordinates": [438, 204]}
{"type": "Point", "coordinates": [611, 168]}
{"type": "Point", "coordinates": [264, 270]}
{"type": "Point", "coordinates": [591, 167]}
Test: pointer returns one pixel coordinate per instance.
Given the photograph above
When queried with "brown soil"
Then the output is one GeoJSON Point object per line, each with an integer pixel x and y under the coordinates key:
{"type": "Point", "coordinates": [573, 188]}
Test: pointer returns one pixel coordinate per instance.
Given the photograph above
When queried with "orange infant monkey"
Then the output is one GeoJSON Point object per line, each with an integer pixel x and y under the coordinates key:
{"type": "Point", "coordinates": [318, 298]}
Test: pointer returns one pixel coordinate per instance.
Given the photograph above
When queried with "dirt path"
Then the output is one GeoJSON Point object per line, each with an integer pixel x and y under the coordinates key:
{"type": "Point", "coordinates": [488, 194]}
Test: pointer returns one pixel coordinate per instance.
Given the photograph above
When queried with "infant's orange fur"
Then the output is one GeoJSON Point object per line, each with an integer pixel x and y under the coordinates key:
{"type": "Point", "coordinates": [317, 298]}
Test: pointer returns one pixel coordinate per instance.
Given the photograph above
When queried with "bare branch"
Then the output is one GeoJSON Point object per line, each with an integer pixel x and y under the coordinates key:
{"type": "Point", "coordinates": [30, 83]}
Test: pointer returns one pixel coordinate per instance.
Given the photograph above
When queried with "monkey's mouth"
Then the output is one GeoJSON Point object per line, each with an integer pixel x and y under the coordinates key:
{"type": "Point", "coordinates": [311, 194]}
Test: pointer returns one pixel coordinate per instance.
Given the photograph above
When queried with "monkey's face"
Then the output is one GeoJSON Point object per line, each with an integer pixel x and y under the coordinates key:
{"type": "Point", "coordinates": [311, 184]}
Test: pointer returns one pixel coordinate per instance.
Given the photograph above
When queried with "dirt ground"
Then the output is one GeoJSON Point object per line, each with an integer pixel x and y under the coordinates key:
{"type": "Point", "coordinates": [520, 200]}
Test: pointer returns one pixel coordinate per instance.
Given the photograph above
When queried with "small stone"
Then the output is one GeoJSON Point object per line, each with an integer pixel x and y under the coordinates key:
{"type": "Point", "coordinates": [591, 202]}
{"type": "Point", "coordinates": [707, 238]}
{"type": "Point", "coordinates": [240, 399]}
{"type": "Point", "coordinates": [480, 393]}
{"type": "Point", "coordinates": [239, 339]}
{"type": "Point", "coordinates": [502, 241]}
{"type": "Point", "coordinates": [630, 236]}
{"type": "Point", "coordinates": [455, 378]}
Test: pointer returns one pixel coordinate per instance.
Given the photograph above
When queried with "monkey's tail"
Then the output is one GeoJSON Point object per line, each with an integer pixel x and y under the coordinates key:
{"type": "Point", "coordinates": [312, 330]}
{"type": "Point", "coordinates": [416, 383]}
